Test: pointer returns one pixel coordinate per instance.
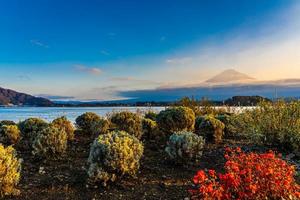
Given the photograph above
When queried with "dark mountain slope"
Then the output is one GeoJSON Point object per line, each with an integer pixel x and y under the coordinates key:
{"type": "Point", "coordinates": [8, 97]}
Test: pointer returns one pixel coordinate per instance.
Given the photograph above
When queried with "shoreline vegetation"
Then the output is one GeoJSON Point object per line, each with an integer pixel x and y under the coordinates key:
{"type": "Point", "coordinates": [185, 151]}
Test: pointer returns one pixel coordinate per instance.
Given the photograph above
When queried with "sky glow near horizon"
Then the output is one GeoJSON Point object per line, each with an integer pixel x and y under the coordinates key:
{"type": "Point", "coordinates": [92, 50]}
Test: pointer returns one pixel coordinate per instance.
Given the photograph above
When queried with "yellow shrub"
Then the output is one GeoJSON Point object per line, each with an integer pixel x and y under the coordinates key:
{"type": "Point", "coordinates": [176, 119]}
{"type": "Point", "coordinates": [64, 123]}
{"type": "Point", "coordinates": [129, 122]}
{"type": "Point", "coordinates": [10, 167]}
{"type": "Point", "coordinates": [86, 122]}
{"type": "Point", "coordinates": [10, 134]}
{"type": "Point", "coordinates": [113, 155]}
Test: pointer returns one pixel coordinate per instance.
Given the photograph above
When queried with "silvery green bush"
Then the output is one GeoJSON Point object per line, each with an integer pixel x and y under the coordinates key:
{"type": "Point", "coordinates": [184, 147]}
{"type": "Point", "coordinates": [30, 128]}
{"type": "Point", "coordinates": [50, 142]}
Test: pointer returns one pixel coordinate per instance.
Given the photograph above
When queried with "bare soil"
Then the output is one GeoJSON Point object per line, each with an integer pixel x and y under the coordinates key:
{"type": "Point", "coordinates": [66, 178]}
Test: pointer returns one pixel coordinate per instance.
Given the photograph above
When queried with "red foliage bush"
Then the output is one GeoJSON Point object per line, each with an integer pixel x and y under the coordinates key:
{"type": "Point", "coordinates": [248, 176]}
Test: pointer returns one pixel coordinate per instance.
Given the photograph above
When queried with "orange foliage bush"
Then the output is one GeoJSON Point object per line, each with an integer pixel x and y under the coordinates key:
{"type": "Point", "coordinates": [248, 176]}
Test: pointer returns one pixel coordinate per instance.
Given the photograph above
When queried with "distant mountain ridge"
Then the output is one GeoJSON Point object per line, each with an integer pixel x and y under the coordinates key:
{"type": "Point", "coordinates": [11, 97]}
{"type": "Point", "coordinates": [220, 87]}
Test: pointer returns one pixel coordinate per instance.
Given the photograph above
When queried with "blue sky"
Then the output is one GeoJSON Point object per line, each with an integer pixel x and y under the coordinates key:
{"type": "Point", "coordinates": [94, 49]}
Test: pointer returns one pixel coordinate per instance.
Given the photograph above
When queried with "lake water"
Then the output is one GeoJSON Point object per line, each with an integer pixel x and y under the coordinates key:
{"type": "Point", "coordinates": [49, 113]}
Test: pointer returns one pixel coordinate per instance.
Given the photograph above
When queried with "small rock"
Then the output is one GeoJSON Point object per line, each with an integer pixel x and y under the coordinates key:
{"type": "Point", "coordinates": [290, 156]}
{"type": "Point", "coordinates": [42, 170]}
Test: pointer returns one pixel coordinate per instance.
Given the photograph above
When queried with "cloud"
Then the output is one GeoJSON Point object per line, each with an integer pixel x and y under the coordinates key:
{"type": "Point", "coordinates": [24, 78]}
{"type": "Point", "coordinates": [111, 34]}
{"type": "Point", "coordinates": [179, 61]}
{"type": "Point", "coordinates": [106, 53]}
{"type": "Point", "coordinates": [39, 43]}
{"type": "Point", "coordinates": [55, 97]}
{"type": "Point", "coordinates": [135, 80]}
{"type": "Point", "coordinates": [90, 70]}
{"type": "Point", "coordinates": [163, 38]}
{"type": "Point", "coordinates": [100, 93]}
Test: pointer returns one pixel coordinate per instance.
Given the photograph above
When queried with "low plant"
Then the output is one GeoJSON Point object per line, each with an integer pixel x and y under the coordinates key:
{"type": "Point", "coordinates": [64, 123]}
{"type": "Point", "coordinates": [128, 122]}
{"type": "Point", "coordinates": [150, 115]}
{"type": "Point", "coordinates": [10, 171]}
{"type": "Point", "coordinates": [176, 119]}
{"type": "Point", "coordinates": [87, 121]}
{"type": "Point", "coordinates": [150, 129]}
{"type": "Point", "coordinates": [51, 142]}
{"type": "Point", "coordinates": [230, 131]}
{"type": "Point", "coordinates": [184, 147]}
{"type": "Point", "coordinates": [272, 123]}
{"type": "Point", "coordinates": [198, 122]}
{"type": "Point", "coordinates": [30, 127]}
{"type": "Point", "coordinates": [248, 176]}
{"type": "Point", "coordinates": [211, 128]}
{"type": "Point", "coordinates": [100, 127]}
{"type": "Point", "coordinates": [10, 134]}
{"type": "Point", "coordinates": [7, 122]}
{"type": "Point", "coordinates": [114, 155]}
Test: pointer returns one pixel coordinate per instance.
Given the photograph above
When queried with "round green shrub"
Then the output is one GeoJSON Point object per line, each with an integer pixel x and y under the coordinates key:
{"type": "Point", "coordinates": [64, 123]}
{"type": "Point", "coordinates": [230, 129]}
{"type": "Point", "coordinates": [50, 142]}
{"type": "Point", "coordinates": [10, 134]}
{"type": "Point", "coordinates": [176, 119]}
{"type": "Point", "coordinates": [198, 121]}
{"type": "Point", "coordinates": [150, 129]}
{"type": "Point", "coordinates": [114, 155]}
{"type": "Point", "coordinates": [151, 115]}
{"type": "Point", "coordinates": [212, 129]}
{"type": "Point", "coordinates": [129, 122]}
{"type": "Point", "coordinates": [30, 128]}
{"type": "Point", "coordinates": [10, 171]}
{"type": "Point", "coordinates": [86, 122]}
{"type": "Point", "coordinates": [100, 127]}
{"type": "Point", "coordinates": [7, 122]}
{"type": "Point", "coordinates": [184, 147]}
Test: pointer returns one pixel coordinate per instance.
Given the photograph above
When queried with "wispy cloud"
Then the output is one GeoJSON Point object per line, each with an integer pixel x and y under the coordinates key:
{"type": "Point", "coordinates": [163, 38]}
{"type": "Point", "coordinates": [111, 35]}
{"type": "Point", "coordinates": [135, 80]}
{"type": "Point", "coordinates": [89, 70]}
{"type": "Point", "coordinates": [39, 43]}
{"type": "Point", "coordinates": [100, 93]}
{"type": "Point", "coordinates": [180, 61]}
{"type": "Point", "coordinates": [55, 97]}
{"type": "Point", "coordinates": [104, 52]}
{"type": "Point", "coordinates": [24, 78]}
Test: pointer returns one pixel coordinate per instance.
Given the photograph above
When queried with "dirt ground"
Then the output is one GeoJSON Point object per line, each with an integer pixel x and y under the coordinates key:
{"type": "Point", "coordinates": [66, 178]}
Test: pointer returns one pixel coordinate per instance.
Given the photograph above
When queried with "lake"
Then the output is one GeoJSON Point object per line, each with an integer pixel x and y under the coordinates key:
{"type": "Point", "coordinates": [49, 113]}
